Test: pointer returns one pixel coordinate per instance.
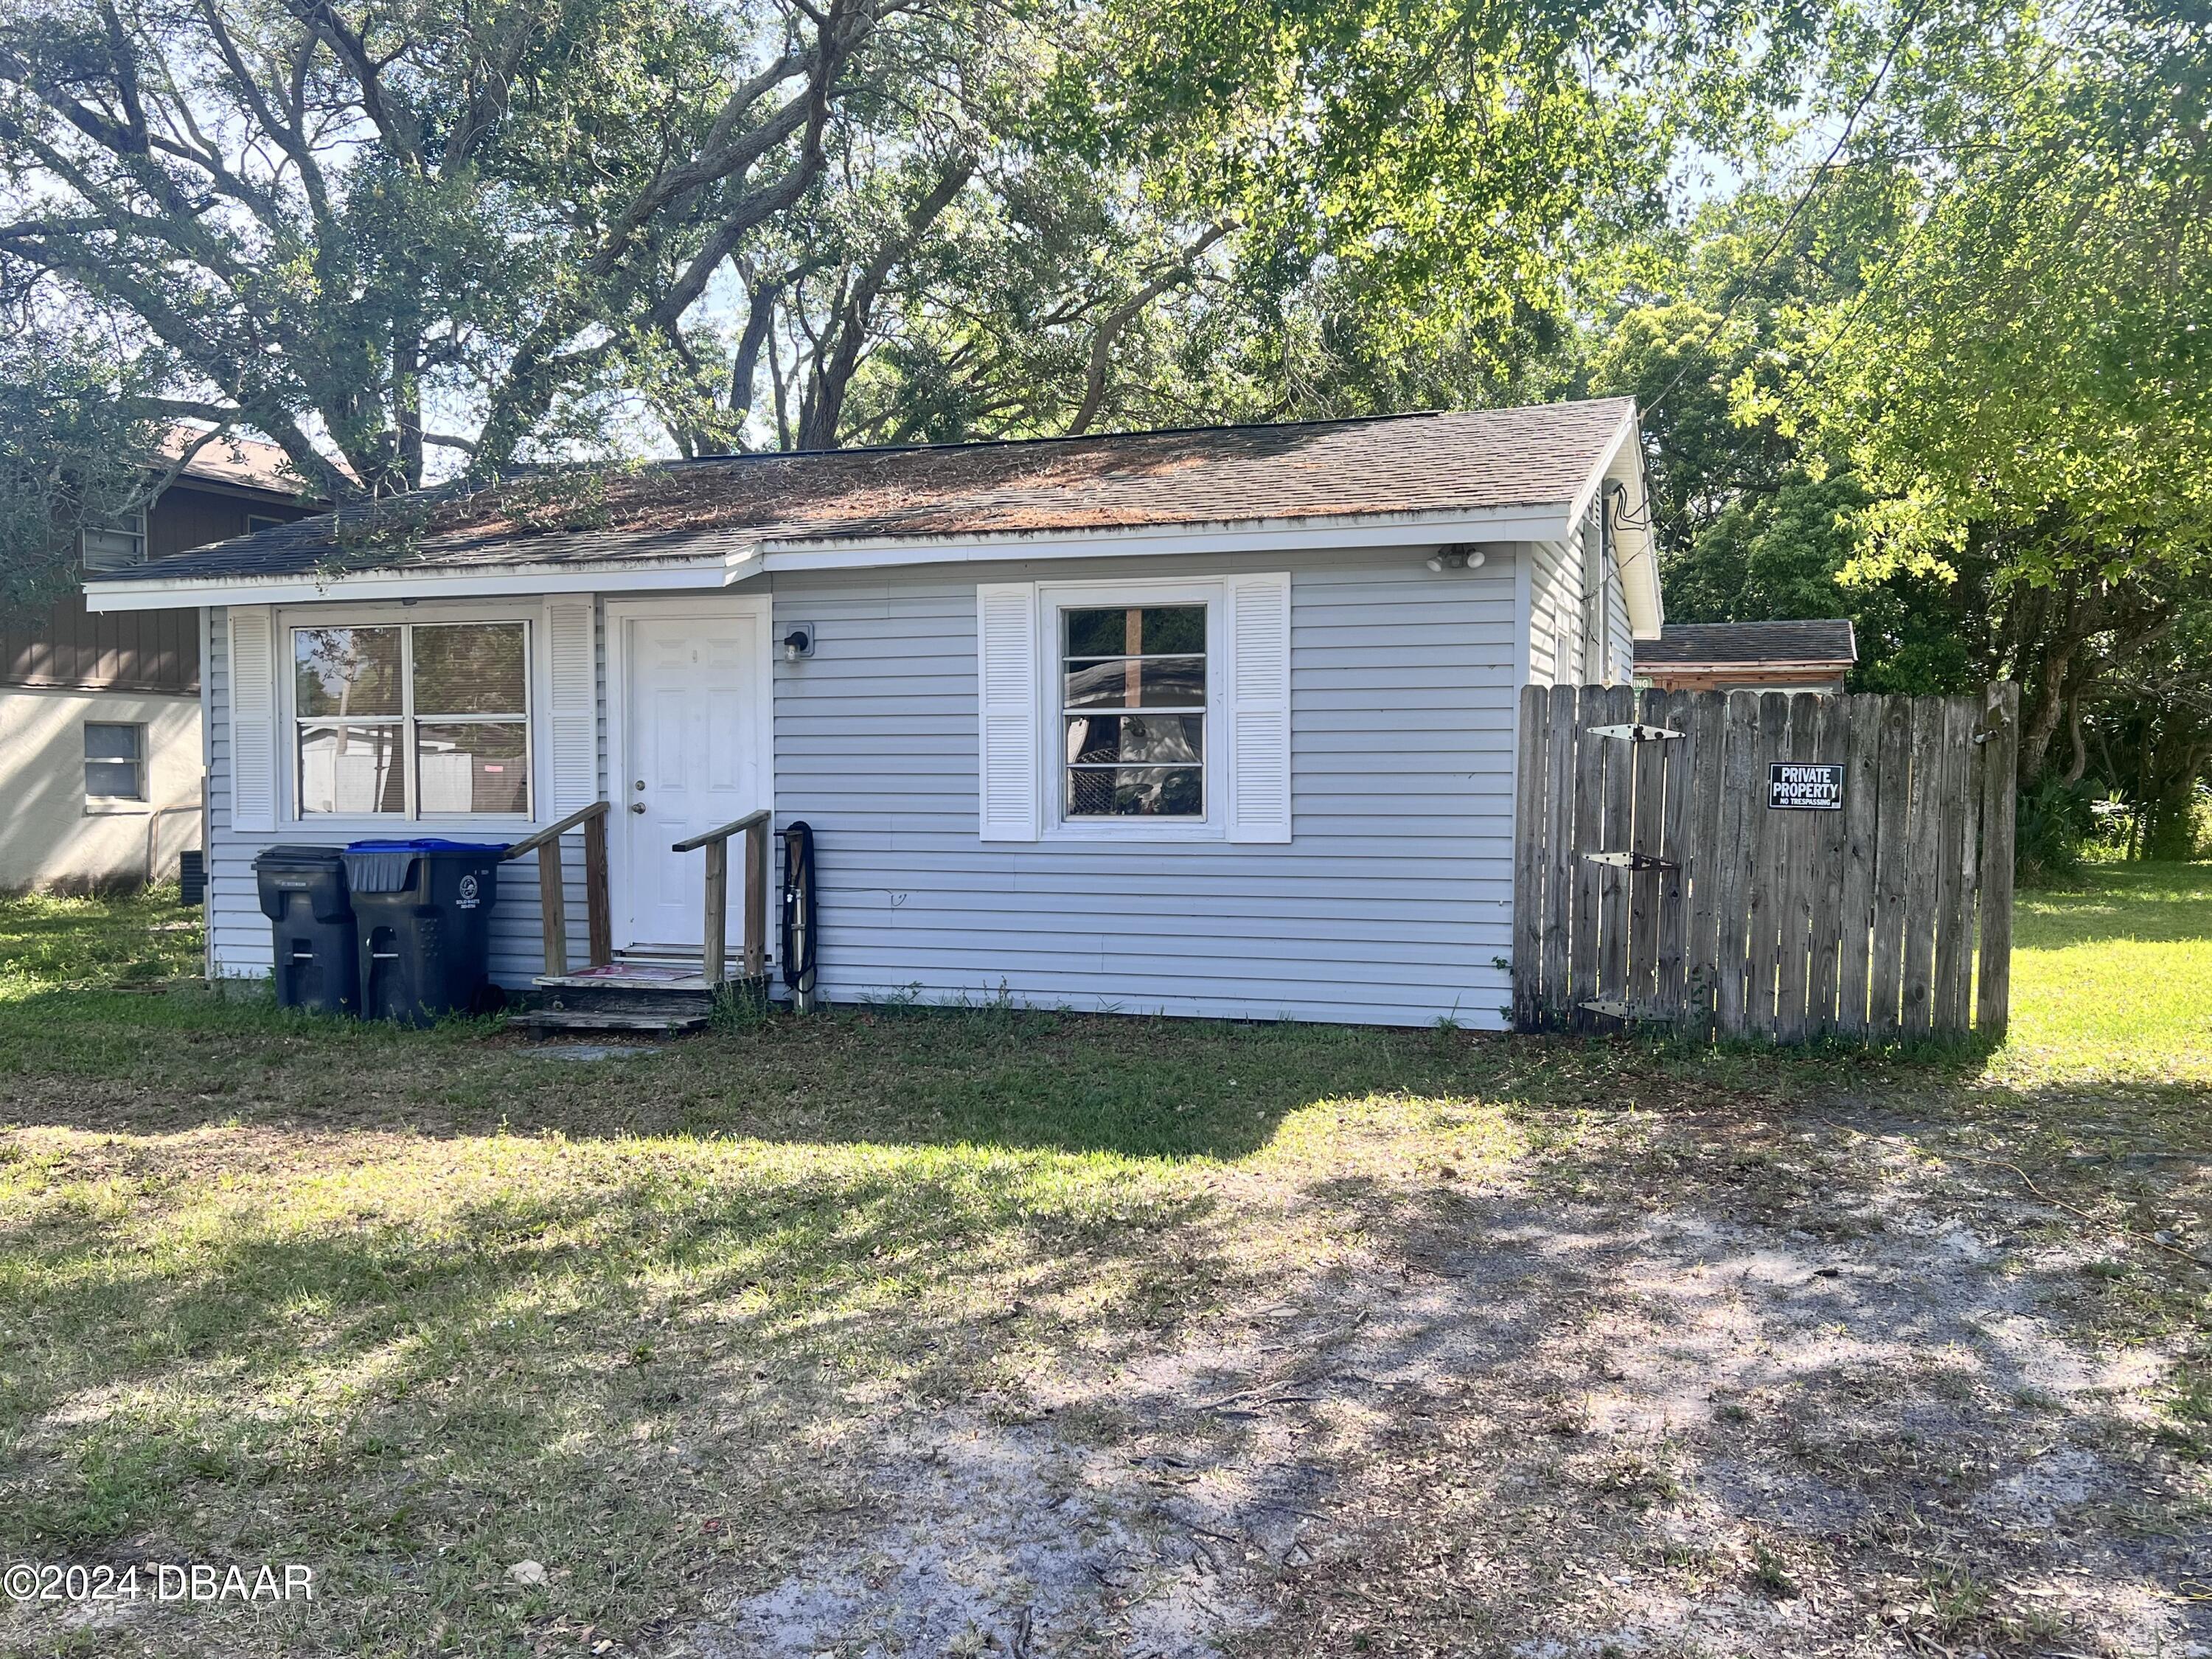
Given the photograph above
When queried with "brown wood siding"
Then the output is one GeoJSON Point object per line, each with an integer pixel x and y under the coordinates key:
{"type": "Point", "coordinates": [131, 650]}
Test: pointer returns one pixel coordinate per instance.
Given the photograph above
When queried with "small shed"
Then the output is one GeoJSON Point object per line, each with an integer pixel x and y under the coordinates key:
{"type": "Point", "coordinates": [1749, 656]}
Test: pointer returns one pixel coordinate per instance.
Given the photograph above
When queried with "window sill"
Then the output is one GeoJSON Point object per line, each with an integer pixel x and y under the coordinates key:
{"type": "Point", "coordinates": [1110, 834]}
{"type": "Point", "coordinates": [396, 829]}
{"type": "Point", "coordinates": [116, 806]}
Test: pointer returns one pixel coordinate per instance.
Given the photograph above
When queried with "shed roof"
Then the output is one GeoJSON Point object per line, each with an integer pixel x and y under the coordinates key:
{"type": "Point", "coordinates": [1389, 466]}
{"type": "Point", "coordinates": [1749, 645]}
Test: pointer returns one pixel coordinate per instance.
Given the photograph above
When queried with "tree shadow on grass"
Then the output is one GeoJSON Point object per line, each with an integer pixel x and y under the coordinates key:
{"type": "Point", "coordinates": [417, 1358]}
{"type": "Point", "coordinates": [413, 1388]}
{"type": "Point", "coordinates": [2143, 903]}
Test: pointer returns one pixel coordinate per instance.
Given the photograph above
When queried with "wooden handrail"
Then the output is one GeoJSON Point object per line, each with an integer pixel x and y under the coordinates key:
{"type": "Point", "coordinates": [553, 895]}
{"type": "Point", "coordinates": [723, 833]}
{"type": "Point", "coordinates": [716, 923]}
{"type": "Point", "coordinates": [555, 831]}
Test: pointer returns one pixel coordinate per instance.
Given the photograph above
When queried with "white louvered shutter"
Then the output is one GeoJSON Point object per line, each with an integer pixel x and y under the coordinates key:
{"type": "Point", "coordinates": [253, 629]}
{"type": "Point", "coordinates": [572, 714]}
{"type": "Point", "coordinates": [1006, 705]}
{"type": "Point", "coordinates": [1260, 707]}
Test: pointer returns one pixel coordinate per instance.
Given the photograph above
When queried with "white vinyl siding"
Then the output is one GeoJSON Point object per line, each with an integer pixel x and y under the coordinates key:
{"type": "Point", "coordinates": [1578, 634]}
{"type": "Point", "coordinates": [1391, 900]}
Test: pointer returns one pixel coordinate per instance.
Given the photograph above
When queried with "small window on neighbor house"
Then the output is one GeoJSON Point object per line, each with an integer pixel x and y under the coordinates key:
{"type": "Point", "coordinates": [114, 544]}
{"type": "Point", "coordinates": [114, 761]}
{"type": "Point", "coordinates": [257, 521]}
{"type": "Point", "coordinates": [1133, 711]}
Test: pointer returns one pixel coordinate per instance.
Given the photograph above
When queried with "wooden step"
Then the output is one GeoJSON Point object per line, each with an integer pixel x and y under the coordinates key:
{"type": "Point", "coordinates": [634, 996]}
{"type": "Point", "coordinates": [604, 1019]}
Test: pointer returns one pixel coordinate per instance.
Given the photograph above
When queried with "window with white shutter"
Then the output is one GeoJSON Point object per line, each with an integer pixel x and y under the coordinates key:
{"type": "Point", "coordinates": [572, 699]}
{"type": "Point", "coordinates": [252, 663]}
{"type": "Point", "coordinates": [1155, 710]}
{"type": "Point", "coordinates": [1007, 699]}
{"type": "Point", "coordinates": [1260, 707]}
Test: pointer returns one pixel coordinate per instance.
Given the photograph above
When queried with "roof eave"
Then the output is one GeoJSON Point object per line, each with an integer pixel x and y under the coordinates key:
{"type": "Point", "coordinates": [1543, 521]}
{"type": "Point", "coordinates": [421, 581]}
{"type": "Point", "coordinates": [1825, 665]}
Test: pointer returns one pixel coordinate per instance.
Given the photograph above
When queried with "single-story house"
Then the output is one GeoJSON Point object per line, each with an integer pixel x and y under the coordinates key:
{"type": "Point", "coordinates": [1213, 722]}
{"type": "Point", "coordinates": [1751, 656]}
{"type": "Point", "coordinates": [100, 754]}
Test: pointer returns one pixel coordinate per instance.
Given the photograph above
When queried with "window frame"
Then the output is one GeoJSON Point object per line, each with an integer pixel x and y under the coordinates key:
{"type": "Point", "coordinates": [1053, 598]}
{"type": "Point", "coordinates": [408, 616]}
{"type": "Point", "coordinates": [258, 522]}
{"type": "Point", "coordinates": [132, 524]}
{"type": "Point", "coordinates": [143, 761]}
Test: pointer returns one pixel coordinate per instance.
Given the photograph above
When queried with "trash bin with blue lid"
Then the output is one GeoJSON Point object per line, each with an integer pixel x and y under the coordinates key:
{"type": "Point", "coordinates": [311, 927]}
{"type": "Point", "coordinates": [423, 909]}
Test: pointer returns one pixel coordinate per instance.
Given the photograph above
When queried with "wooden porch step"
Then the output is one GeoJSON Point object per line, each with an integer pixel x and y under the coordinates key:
{"type": "Point", "coordinates": [631, 995]}
{"type": "Point", "coordinates": [605, 1019]}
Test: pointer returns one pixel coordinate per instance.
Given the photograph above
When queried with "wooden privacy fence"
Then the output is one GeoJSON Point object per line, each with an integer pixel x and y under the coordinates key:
{"type": "Point", "coordinates": [1764, 864]}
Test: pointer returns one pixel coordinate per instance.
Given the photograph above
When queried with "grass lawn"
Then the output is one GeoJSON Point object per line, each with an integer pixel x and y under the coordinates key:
{"type": "Point", "coordinates": [912, 1332]}
{"type": "Point", "coordinates": [2111, 980]}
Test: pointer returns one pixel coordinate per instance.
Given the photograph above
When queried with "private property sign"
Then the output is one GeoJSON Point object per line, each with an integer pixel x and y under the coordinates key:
{"type": "Point", "coordinates": [1804, 788]}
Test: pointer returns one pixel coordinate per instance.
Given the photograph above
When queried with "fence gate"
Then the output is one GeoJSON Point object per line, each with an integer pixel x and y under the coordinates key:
{"type": "Point", "coordinates": [1764, 864]}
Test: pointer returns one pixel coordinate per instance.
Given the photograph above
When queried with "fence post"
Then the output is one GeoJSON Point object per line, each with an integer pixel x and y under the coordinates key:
{"type": "Point", "coordinates": [1732, 925]}
{"type": "Point", "coordinates": [1589, 818]}
{"type": "Point", "coordinates": [2000, 760]}
{"type": "Point", "coordinates": [1861, 803]}
{"type": "Point", "coordinates": [1528, 859]}
{"type": "Point", "coordinates": [1558, 848]}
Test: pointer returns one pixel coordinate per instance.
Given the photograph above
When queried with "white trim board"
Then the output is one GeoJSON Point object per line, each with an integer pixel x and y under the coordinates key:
{"type": "Point", "coordinates": [614, 576]}
{"type": "Point", "coordinates": [374, 586]}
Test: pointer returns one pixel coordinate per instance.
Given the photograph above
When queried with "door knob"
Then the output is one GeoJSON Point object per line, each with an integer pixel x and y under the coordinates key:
{"type": "Point", "coordinates": [637, 806]}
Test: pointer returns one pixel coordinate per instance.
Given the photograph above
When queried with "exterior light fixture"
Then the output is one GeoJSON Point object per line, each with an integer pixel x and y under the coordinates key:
{"type": "Point", "coordinates": [798, 643]}
{"type": "Point", "coordinates": [1457, 558]}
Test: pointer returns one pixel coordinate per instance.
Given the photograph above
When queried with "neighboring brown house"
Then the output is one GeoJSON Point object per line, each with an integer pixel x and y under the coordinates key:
{"type": "Point", "coordinates": [101, 758]}
{"type": "Point", "coordinates": [1758, 656]}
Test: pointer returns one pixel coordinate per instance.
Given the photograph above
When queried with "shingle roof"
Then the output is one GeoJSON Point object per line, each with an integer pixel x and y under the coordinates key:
{"type": "Point", "coordinates": [1448, 462]}
{"type": "Point", "coordinates": [248, 462]}
{"type": "Point", "coordinates": [1748, 644]}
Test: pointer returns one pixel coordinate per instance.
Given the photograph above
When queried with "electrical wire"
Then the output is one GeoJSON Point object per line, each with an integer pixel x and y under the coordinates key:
{"type": "Point", "coordinates": [1741, 286]}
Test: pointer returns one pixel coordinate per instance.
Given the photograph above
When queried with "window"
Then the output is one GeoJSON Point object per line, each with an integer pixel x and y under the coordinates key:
{"type": "Point", "coordinates": [114, 761]}
{"type": "Point", "coordinates": [423, 720]}
{"type": "Point", "coordinates": [255, 521]}
{"type": "Point", "coordinates": [1133, 711]}
{"type": "Point", "coordinates": [114, 544]}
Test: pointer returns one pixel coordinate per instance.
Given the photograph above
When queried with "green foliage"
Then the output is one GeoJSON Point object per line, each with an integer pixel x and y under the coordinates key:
{"type": "Point", "coordinates": [2054, 818]}
{"type": "Point", "coordinates": [2031, 356]}
{"type": "Point", "coordinates": [1423, 188]}
{"type": "Point", "coordinates": [70, 453]}
{"type": "Point", "coordinates": [514, 229]}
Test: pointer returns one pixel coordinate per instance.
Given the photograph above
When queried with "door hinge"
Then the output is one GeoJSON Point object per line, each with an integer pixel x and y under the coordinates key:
{"type": "Point", "coordinates": [1632, 861]}
{"type": "Point", "coordinates": [1624, 1011]}
{"type": "Point", "coordinates": [1638, 733]}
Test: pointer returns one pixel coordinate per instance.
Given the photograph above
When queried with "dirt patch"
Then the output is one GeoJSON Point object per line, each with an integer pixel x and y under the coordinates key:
{"type": "Point", "coordinates": [1699, 1415]}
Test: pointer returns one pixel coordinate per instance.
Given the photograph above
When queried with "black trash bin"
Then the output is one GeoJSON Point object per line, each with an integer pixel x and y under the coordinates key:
{"type": "Point", "coordinates": [303, 894]}
{"type": "Point", "coordinates": [423, 912]}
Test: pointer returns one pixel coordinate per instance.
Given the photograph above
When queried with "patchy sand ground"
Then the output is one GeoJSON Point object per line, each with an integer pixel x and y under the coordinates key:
{"type": "Point", "coordinates": [1784, 1390]}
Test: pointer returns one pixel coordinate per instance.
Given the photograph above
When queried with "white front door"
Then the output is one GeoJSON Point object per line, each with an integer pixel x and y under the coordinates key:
{"type": "Point", "coordinates": [690, 761]}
